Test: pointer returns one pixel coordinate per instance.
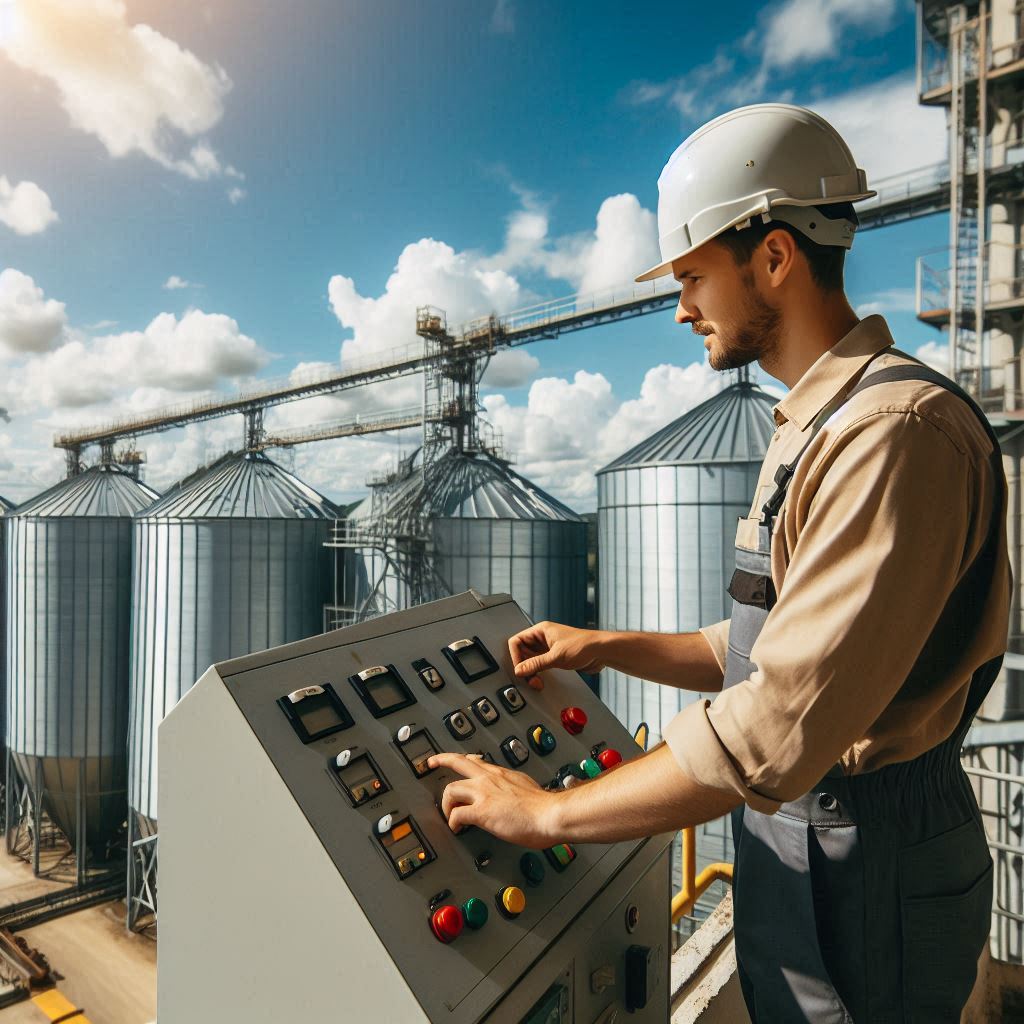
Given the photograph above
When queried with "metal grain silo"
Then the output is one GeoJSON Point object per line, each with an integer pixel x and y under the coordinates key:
{"type": "Point", "coordinates": [667, 512]}
{"type": "Point", "coordinates": [495, 531]}
{"type": "Point", "coordinates": [68, 615]}
{"type": "Point", "coordinates": [5, 508]}
{"type": "Point", "coordinates": [229, 563]}
{"type": "Point", "coordinates": [486, 527]}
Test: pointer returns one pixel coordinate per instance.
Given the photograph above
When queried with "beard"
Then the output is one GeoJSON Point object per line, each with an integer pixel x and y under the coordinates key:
{"type": "Point", "coordinates": [752, 335]}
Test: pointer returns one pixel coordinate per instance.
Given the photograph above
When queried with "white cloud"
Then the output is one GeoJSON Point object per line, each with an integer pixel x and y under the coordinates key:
{"type": "Point", "coordinates": [173, 283]}
{"type": "Point", "coordinates": [570, 429]}
{"type": "Point", "coordinates": [427, 272]}
{"type": "Point", "coordinates": [904, 137]}
{"type": "Point", "coordinates": [192, 354]}
{"type": "Point", "coordinates": [802, 31]}
{"type": "Point", "coordinates": [29, 322]}
{"type": "Point", "coordinates": [892, 300]}
{"type": "Point", "coordinates": [236, 195]}
{"type": "Point", "coordinates": [503, 18]}
{"type": "Point", "coordinates": [129, 86]}
{"type": "Point", "coordinates": [25, 208]}
{"type": "Point", "coordinates": [934, 354]}
{"type": "Point", "coordinates": [510, 368]}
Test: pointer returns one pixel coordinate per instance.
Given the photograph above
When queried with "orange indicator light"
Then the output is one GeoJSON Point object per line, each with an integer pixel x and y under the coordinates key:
{"type": "Point", "coordinates": [400, 831]}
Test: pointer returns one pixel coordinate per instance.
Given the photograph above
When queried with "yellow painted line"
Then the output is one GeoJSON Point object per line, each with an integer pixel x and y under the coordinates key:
{"type": "Point", "coordinates": [57, 1008]}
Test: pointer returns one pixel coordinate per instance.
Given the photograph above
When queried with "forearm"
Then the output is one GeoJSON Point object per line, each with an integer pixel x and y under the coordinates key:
{"type": "Point", "coordinates": [683, 660]}
{"type": "Point", "coordinates": [643, 797]}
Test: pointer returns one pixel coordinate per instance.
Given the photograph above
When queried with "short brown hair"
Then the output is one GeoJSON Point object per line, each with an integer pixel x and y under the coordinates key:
{"type": "Point", "coordinates": [826, 261]}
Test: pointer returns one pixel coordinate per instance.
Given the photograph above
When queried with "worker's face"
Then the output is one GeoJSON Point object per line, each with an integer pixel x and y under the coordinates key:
{"type": "Point", "coordinates": [720, 300]}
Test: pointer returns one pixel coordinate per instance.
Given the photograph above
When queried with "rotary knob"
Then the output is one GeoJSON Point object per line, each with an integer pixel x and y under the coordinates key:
{"type": "Point", "coordinates": [446, 923]}
{"type": "Point", "coordinates": [511, 900]}
{"type": "Point", "coordinates": [574, 719]}
{"type": "Point", "coordinates": [609, 758]}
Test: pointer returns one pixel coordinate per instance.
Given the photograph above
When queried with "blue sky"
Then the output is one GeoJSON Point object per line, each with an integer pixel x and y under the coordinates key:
{"type": "Point", "coordinates": [278, 161]}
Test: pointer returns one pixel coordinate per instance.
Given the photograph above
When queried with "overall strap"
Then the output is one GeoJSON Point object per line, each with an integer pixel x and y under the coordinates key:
{"type": "Point", "coordinates": [917, 371]}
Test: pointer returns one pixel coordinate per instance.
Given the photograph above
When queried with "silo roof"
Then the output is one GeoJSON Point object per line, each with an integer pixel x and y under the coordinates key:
{"type": "Point", "coordinates": [100, 491]}
{"type": "Point", "coordinates": [5, 505]}
{"type": "Point", "coordinates": [248, 486]}
{"type": "Point", "coordinates": [733, 426]}
{"type": "Point", "coordinates": [475, 485]}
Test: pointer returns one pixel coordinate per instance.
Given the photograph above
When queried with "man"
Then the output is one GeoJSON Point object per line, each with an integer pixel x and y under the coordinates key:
{"type": "Point", "coordinates": [869, 620]}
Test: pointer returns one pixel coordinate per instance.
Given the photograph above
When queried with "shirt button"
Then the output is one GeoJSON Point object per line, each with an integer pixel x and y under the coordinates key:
{"type": "Point", "coordinates": [827, 802]}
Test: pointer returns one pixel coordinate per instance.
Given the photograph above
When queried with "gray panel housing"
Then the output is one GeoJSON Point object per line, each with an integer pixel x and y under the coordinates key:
{"type": "Point", "coordinates": [341, 888]}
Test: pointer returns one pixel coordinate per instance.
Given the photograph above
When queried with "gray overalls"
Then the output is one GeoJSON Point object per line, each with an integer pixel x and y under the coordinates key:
{"type": "Point", "coordinates": [869, 898]}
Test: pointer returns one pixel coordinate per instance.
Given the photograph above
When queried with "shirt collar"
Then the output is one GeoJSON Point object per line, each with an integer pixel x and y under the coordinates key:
{"type": "Point", "coordinates": [830, 374]}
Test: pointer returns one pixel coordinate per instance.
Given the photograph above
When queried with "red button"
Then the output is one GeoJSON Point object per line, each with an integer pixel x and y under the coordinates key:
{"type": "Point", "coordinates": [609, 758]}
{"type": "Point", "coordinates": [574, 719]}
{"type": "Point", "coordinates": [446, 923]}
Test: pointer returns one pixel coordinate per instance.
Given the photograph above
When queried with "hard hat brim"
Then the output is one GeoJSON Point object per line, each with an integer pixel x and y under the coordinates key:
{"type": "Point", "coordinates": [661, 270]}
{"type": "Point", "coordinates": [665, 267]}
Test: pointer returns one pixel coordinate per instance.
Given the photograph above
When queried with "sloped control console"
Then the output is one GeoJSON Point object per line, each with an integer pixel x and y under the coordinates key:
{"type": "Point", "coordinates": [305, 869]}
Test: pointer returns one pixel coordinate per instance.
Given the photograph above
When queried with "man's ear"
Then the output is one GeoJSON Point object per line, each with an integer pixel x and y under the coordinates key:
{"type": "Point", "coordinates": [778, 254]}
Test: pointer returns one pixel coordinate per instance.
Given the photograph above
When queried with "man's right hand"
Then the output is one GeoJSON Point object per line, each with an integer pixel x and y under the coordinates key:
{"type": "Point", "coordinates": [552, 645]}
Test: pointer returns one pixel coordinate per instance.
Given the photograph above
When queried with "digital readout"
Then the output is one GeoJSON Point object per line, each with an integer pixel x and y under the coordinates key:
{"type": "Point", "coordinates": [382, 689]}
{"type": "Point", "coordinates": [362, 780]}
{"type": "Point", "coordinates": [406, 848]}
{"type": "Point", "coordinates": [416, 749]}
{"type": "Point", "coordinates": [315, 711]}
{"type": "Point", "coordinates": [470, 659]}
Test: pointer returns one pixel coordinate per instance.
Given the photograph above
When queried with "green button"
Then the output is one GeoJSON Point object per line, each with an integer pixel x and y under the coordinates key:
{"type": "Point", "coordinates": [563, 855]}
{"type": "Point", "coordinates": [532, 868]}
{"type": "Point", "coordinates": [591, 767]}
{"type": "Point", "coordinates": [475, 912]}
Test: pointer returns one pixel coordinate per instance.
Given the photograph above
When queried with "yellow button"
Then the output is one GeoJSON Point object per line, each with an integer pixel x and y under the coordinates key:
{"type": "Point", "coordinates": [513, 899]}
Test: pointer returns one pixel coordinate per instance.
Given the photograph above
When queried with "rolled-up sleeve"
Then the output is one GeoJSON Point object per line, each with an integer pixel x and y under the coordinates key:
{"type": "Point", "coordinates": [717, 636]}
{"type": "Point", "coordinates": [879, 534]}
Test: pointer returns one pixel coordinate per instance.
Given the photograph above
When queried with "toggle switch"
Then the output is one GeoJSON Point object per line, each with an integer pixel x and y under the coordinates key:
{"type": "Point", "coordinates": [574, 719]}
{"type": "Point", "coordinates": [343, 758]}
{"type": "Point", "coordinates": [512, 698]}
{"type": "Point", "coordinates": [515, 751]}
{"type": "Point", "coordinates": [403, 734]}
{"type": "Point", "coordinates": [384, 824]}
{"type": "Point", "coordinates": [541, 739]}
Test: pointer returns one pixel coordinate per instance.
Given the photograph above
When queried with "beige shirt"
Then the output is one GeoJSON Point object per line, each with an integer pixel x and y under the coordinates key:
{"type": "Point", "coordinates": [886, 511]}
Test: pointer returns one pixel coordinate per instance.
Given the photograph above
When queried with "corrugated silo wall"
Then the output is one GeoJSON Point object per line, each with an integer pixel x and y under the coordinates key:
{"type": "Point", "coordinates": [665, 544]}
{"type": "Point", "coordinates": [206, 590]}
{"type": "Point", "coordinates": [541, 563]}
{"type": "Point", "coordinates": [3, 644]}
{"type": "Point", "coordinates": [69, 595]}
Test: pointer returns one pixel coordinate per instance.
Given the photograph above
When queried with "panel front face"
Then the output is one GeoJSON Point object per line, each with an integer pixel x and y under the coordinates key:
{"type": "Point", "coordinates": [373, 802]}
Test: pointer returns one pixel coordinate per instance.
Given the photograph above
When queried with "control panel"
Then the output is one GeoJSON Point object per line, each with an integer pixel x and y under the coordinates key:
{"type": "Point", "coordinates": [326, 742]}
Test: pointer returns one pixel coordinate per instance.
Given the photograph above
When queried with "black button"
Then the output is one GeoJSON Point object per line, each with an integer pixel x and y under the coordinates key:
{"type": "Point", "coordinates": [827, 802]}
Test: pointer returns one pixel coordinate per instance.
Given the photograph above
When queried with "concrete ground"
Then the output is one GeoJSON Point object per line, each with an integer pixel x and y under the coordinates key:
{"type": "Point", "coordinates": [101, 968]}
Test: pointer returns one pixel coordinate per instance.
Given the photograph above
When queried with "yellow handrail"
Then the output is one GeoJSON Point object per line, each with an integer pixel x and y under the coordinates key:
{"type": "Point", "coordinates": [695, 885]}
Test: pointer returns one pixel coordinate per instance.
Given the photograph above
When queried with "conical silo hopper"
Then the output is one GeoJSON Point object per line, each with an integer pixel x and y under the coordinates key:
{"type": "Point", "coordinates": [230, 563]}
{"type": "Point", "coordinates": [69, 603]}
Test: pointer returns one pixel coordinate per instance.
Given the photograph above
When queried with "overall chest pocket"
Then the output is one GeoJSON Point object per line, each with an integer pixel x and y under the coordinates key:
{"type": "Point", "coordinates": [751, 588]}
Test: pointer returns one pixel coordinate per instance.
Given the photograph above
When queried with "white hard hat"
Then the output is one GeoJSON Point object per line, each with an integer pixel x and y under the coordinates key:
{"type": "Point", "coordinates": [771, 160]}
